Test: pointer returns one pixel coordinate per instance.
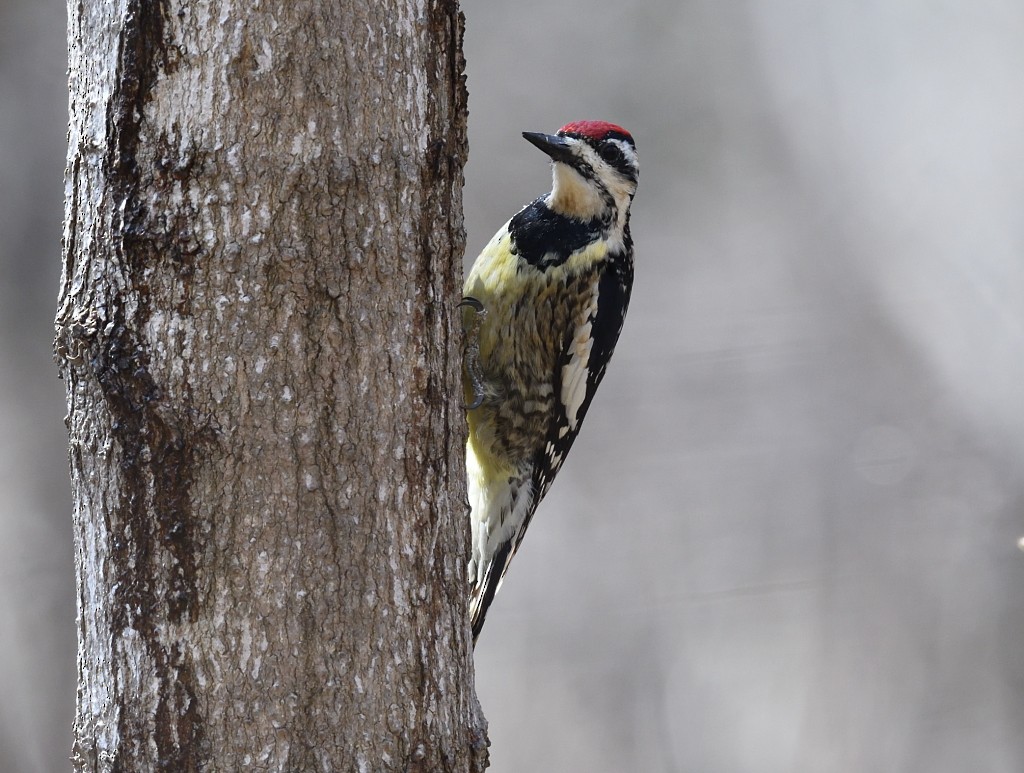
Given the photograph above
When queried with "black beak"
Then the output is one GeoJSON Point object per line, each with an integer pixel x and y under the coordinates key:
{"type": "Point", "coordinates": [559, 148]}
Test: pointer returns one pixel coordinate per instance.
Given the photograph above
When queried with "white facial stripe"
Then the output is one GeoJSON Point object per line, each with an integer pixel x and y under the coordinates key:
{"type": "Point", "coordinates": [629, 152]}
{"type": "Point", "coordinates": [613, 181]}
{"type": "Point", "coordinates": [582, 197]}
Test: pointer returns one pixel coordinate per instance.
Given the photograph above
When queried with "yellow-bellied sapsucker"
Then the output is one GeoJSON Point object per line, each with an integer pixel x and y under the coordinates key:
{"type": "Point", "coordinates": [549, 294]}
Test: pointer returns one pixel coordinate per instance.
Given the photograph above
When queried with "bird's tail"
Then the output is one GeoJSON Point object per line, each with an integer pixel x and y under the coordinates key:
{"type": "Point", "coordinates": [483, 592]}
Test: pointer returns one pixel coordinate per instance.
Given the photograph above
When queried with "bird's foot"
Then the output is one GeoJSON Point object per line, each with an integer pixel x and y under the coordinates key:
{"type": "Point", "coordinates": [471, 352]}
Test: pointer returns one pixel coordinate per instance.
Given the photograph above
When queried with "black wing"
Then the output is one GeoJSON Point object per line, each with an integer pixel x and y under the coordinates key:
{"type": "Point", "coordinates": [615, 281]}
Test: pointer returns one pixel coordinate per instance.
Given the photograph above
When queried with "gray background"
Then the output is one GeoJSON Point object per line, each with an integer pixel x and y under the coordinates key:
{"type": "Point", "coordinates": [787, 537]}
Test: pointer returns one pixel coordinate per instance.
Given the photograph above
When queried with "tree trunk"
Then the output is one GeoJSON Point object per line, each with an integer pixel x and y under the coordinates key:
{"type": "Point", "coordinates": [262, 247]}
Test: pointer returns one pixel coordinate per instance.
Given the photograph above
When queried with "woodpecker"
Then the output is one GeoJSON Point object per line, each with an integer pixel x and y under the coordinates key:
{"type": "Point", "coordinates": [545, 302]}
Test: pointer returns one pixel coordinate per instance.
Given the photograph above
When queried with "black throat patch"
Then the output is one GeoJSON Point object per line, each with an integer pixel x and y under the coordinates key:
{"type": "Point", "coordinates": [543, 238]}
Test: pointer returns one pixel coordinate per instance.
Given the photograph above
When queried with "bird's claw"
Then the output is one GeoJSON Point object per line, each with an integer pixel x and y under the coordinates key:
{"type": "Point", "coordinates": [473, 303]}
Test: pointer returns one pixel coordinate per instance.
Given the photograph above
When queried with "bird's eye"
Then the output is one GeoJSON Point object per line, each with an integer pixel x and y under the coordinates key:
{"type": "Point", "coordinates": [610, 152]}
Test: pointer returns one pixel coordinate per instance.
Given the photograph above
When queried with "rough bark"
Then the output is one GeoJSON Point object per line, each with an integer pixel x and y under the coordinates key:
{"type": "Point", "coordinates": [262, 246]}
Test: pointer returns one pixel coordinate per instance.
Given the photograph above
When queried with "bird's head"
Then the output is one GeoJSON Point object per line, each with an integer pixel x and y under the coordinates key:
{"type": "Point", "coordinates": [594, 169]}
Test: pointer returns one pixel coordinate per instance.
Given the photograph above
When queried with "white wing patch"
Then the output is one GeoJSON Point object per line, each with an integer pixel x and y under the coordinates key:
{"type": "Point", "coordinates": [575, 372]}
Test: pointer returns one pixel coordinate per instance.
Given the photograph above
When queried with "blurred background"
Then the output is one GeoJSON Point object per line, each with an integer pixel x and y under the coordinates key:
{"type": "Point", "coordinates": [787, 537]}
